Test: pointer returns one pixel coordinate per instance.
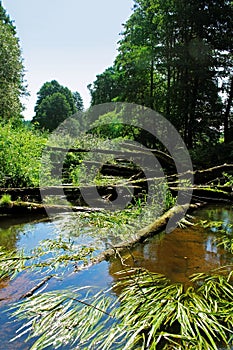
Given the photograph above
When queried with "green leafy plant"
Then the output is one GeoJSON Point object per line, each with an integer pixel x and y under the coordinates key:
{"type": "Point", "coordinates": [20, 154]}
{"type": "Point", "coordinates": [5, 200]}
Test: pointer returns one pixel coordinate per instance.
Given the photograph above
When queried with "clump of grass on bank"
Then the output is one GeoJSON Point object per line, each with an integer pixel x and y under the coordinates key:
{"type": "Point", "coordinates": [5, 200]}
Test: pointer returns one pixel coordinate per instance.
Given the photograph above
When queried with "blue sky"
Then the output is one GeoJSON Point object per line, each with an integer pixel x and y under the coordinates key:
{"type": "Point", "coordinates": [70, 41]}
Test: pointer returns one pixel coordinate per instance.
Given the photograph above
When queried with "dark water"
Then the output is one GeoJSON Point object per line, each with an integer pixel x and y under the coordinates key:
{"type": "Point", "coordinates": [177, 255]}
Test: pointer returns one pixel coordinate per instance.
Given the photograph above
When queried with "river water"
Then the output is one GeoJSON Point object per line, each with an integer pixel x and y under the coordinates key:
{"type": "Point", "coordinates": [178, 255]}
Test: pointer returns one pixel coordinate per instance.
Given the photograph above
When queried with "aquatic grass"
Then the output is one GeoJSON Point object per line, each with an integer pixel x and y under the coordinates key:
{"type": "Point", "coordinates": [50, 256]}
{"type": "Point", "coordinates": [226, 241]}
{"type": "Point", "coordinates": [150, 313]}
{"type": "Point", "coordinates": [65, 317]}
{"type": "Point", "coordinates": [167, 314]}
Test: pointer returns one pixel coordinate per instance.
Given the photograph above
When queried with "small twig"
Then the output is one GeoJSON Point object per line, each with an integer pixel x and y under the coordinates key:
{"type": "Point", "coordinates": [90, 305]}
{"type": "Point", "coordinates": [34, 289]}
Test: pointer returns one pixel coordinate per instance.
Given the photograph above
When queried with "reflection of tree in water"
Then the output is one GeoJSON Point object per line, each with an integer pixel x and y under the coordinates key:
{"type": "Point", "coordinates": [9, 237]}
{"type": "Point", "coordinates": [220, 214]}
{"type": "Point", "coordinates": [12, 227]}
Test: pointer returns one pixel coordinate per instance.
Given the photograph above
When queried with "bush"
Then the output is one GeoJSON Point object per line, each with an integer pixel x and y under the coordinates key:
{"type": "Point", "coordinates": [20, 153]}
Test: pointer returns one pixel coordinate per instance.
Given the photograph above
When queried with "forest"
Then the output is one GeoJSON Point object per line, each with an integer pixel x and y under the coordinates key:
{"type": "Point", "coordinates": [154, 146]}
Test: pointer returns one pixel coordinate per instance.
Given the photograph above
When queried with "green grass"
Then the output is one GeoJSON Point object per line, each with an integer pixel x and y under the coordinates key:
{"type": "Point", "coordinates": [5, 200]}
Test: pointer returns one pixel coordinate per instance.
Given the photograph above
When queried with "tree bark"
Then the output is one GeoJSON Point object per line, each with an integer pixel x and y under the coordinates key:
{"type": "Point", "coordinates": [227, 137]}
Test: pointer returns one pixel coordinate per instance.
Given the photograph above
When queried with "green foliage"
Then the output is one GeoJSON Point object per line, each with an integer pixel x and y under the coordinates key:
{"type": "Point", "coordinates": [204, 156]}
{"type": "Point", "coordinates": [105, 88]}
{"type": "Point", "coordinates": [54, 104]}
{"type": "Point", "coordinates": [171, 57]}
{"type": "Point", "coordinates": [50, 88]}
{"type": "Point", "coordinates": [20, 154]}
{"type": "Point", "coordinates": [5, 200]}
{"type": "Point", "coordinates": [111, 125]}
{"type": "Point", "coordinates": [5, 19]}
{"type": "Point", "coordinates": [52, 111]}
{"type": "Point", "coordinates": [78, 101]}
{"type": "Point", "coordinates": [11, 70]}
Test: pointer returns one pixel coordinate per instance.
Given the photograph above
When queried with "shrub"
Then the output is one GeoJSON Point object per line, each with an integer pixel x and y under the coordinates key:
{"type": "Point", "coordinates": [20, 153]}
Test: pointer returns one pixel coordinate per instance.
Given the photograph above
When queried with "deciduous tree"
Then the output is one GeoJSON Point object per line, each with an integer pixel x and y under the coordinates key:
{"type": "Point", "coordinates": [54, 104]}
{"type": "Point", "coordinates": [11, 70]}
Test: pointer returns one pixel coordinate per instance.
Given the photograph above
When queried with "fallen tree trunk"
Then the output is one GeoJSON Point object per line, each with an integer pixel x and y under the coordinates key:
{"type": "Point", "coordinates": [132, 151]}
{"type": "Point", "coordinates": [29, 207]}
{"type": "Point", "coordinates": [207, 175]}
{"type": "Point", "coordinates": [206, 194]}
{"type": "Point", "coordinates": [135, 185]}
{"type": "Point", "coordinates": [149, 231]}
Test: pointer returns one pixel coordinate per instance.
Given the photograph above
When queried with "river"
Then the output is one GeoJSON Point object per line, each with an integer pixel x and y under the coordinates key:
{"type": "Point", "coordinates": [178, 255]}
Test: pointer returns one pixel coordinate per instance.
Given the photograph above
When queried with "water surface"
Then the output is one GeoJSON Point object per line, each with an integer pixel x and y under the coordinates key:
{"type": "Point", "coordinates": [177, 255]}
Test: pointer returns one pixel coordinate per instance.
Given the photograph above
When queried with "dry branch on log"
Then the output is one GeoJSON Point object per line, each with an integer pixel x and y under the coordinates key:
{"type": "Point", "coordinates": [207, 175]}
{"type": "Point", "coordinates": [206, 194]}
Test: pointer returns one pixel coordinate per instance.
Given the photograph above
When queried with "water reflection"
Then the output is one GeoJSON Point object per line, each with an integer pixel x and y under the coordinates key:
{"type": "Point", "coordinates": [216, 213]}
{"type": "Point", "coordinates": [182, 252]}
{"type": "Point", "coordinates": [13, 227]}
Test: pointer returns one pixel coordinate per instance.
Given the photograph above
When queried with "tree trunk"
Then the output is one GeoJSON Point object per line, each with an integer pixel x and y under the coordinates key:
{"type": "Point", "coordinates": [227, 137]}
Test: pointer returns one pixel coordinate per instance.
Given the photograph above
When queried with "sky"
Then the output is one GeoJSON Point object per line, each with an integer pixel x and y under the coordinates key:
{"type": "Point", "coordinates": [70, 41]}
